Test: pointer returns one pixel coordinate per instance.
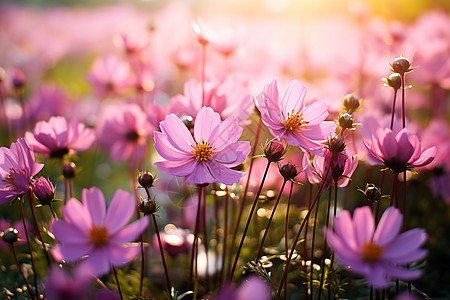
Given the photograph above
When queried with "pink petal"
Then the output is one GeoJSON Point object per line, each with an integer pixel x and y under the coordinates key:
{"type": "Point", "coordinates": [404, 145]}
{"type": "Point", "coordinates": [77, 215]}
{"type": "Point", "coordinates": [405, 243]}
{"type": "Point", "coordinates": [118, 256]}
{"type": "Point", "coordinates": [315, 112]}
{"type": "Point", "coordinates": [364, 225]}
{"type": "Point", "coordinates": [343, 225]}
{"type": "Point", "coordinates": [130, 232]}
{"type": "Point", "coordinates": [426, 157]}
{"type": "Point", "coordinates": [223, 174]}
{"type": "Point", "coordinates": [167, 150]}
{"type": "Point", "coordinates": [205, 123]}
{"type": "Point", "coordinates": [120, 211]}
{"type": "Point", "coordinates": [232, 155]}
{"type": "Point", "coordinates": [177, 133]}
{"type": "Point", "coordinates": [177, 168]}
{"type": "Point", "coordinates": [388, 143]}
{"type": "Point", "coordinates": [226, 133]}
{"type": "Point", "coordinates": [388, 227]}
{"type": "Point", "coordinates": [294, 98]}
{"type": "Point", "coordinates": [96, 263]}
{"type": "Point", "coordinates": [377, 277]}
{"type": "Point", "coordinates": [340, 246]}
{"type": "Point", "coordinates": [67, 233]}
{"type": "Point", "coordinates": [200, 175]}
{"type": "Point", "coordinates": [400, 273]}
{"type": "Point", "coordinates": [73, 252]}
{"type": "Point", "coordinates": [94, 201]}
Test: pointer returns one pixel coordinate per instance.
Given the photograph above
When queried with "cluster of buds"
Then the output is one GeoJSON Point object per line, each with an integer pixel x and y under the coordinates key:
{"type": "Point", "coordinates": [147, 206]}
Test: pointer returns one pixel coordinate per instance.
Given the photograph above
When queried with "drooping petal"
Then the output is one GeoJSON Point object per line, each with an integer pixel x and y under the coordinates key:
{"type": "Point", "coordinates": [401, 273]}
{"type": "Point", "coordinates": [426, 157]}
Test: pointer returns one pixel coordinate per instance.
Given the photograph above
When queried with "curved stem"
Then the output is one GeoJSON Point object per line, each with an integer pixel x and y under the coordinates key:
{"type": "Point", "coordinates": [53, 212]}
{"type": "Point", "coordinates": [21, 271]}
{"type": "Point", "coordinates": [166, 272]}
{"type": "Point", "coordinates": [117, 281]}
{"type": "Point", "coordinates": [270, 221]}
{"type": "Point", "coordinates": [29, 247]}
{"type": "Point", "coordinates": [244, 196]}
{"type": "Point", "coordinates": [255, 201]}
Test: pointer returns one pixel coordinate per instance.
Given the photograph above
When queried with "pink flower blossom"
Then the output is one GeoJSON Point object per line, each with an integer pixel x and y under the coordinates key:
{"type": "Point", "coordinates": [290, 120]}
{"type": "Point", "coordinates": [253, 288]}
{"type": "Point", "coordinates": [17, 167]}
{"type": "Point", "coordinates": [376, 253]}
{"type": "Point", "coordinates": [207, 157]}
{"type": "Point", "coordinates": [101, 235]}
{"type": "Point", "coordinates": [58, 137]}
{"type": "Point", "coordinates": [400, 152]}
{"type": "Point", "coordinates": [62, 286]}
{"type": "Point", "coordinates": [123, 130]}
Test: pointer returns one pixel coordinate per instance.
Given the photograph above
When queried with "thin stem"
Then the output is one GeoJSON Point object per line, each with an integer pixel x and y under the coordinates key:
{"type": "Point", "coordinates": [225, 236]}
{"type": "Point", "coordinates": [393, 109]}
{"type": "Point", "coordinates": [244, 196]}
{"type": "Point", "coordinates": [311, 267]}
{"type": "Point", "coordinates": [255, 201]}
{"type": "Point", "coordinates": [394, 191]}
{"type": "Point", "coordinates": [117, 281]}
{"type": "Point", "coordinates": [21, 271]}
{"type": "Point", "coordinates": [203, 75]}
{"type": "Point", "coordinates": [29, 246]}
{"type": "Point", "coordinates": [33, 214]}
{"type": "Point", "coordinates": [305, 244]}
{"type": "Point", "coordinates": [297, 238]}
{"type": "Point", "coordinates": [381, 189]}
{"type": "Point", "coordinates": [322, 278]}
{"type": "Point", "coordinates": [270, 221]}
{"type": "Point", "coordinates": [53, 212]}
{"type": "Point", "coordinates": [216, 232]}
{"type": "Point", "coordinates": [286, 223]}
{"type": "Point", "coordinates": [195, 243]}
{"type": "Point", "coordinates": [205, 236]}
{"type": "Point", "coordinates": [371, 293]}
{"type": "Point", "coordinates": [403, 101]}
{"type": "Point", "coordinates": [166, 272]}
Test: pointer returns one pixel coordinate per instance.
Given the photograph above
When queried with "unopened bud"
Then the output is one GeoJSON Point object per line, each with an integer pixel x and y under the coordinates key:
{"type": "Point", "coordinates": [146, 179]}
{"type": "Point", "coordinates": [346, 121]}
{"type": "Point", "coordinates": [288, 171]}
{"type": "Point", "coordinates": [336, 145]}
{"type": "Point", "coordinates": [43, 190]}
{"type": "Point", "coordinates": [394, 81]}
{"type": "Point", "coordinates": [188, 121]}
{"type": "Point", "coordinates": [274, 150]}
{"type": "Point", "coordinates": [401, 65]}
{"type": "Point", "coordinates": [351, 103]}
{"type": "Point", "coordinates": [10, 235]}
{"type": "Point", "coordinates": [372, 193]}
{"type": "Point", "coordinates": [148, 207]}
{"type": "Point", "coordinates": [69, 170]}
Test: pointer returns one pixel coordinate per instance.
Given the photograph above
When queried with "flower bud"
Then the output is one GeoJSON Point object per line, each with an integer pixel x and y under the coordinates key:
{"type": "Point", "coordinates": [346, 121]}
{"type": "Point", "coordinates": [401, 65]}
{"type": "Point", "coordinates": [10, 235]}
{"type": "Point", "coordinates": [18, 80]}
{"type": "Point", "coordinates": [274, 150]}
{"type": "Point", "coordinates": [69, 170]}
{"type": "Point", "coordinates": [188, 121]}
{"type": "Point", "coordinates": [288, 171]}
{"type": "Point", "coordinates": [146, 179]}
{"type": "Point", "coordinates": [43, 190]}
{"type": "Point", "coordinates": [372, 193]}
{"type": "Point", "coordinates": [336, 145]}
{"type": "Point", "coordinates": [351, 103]}
{"type": "Point", "coordinates": [148, 207]}
{"type": "Point", "coordinates": [394, 81]}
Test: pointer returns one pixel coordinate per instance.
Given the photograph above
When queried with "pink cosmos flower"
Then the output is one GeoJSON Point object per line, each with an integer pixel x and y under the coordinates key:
{"type": "Point", "coordinates": [207, 157]}
{"type": "Point", "coordinates": [62, 286]}
{"type": "Point", "coordinates": [123, 130]}
{"type": "Point", "coordinates": [290, 120]}
{"type": "Point", "coordinates": [400, 152]}
{"type": "Point", "coordinates": [253, 288]}
{"type": "Point", "coordinates": [376, 253]}
{"type": "Point", "coordinates": [17, 167]}
{"type": "Point", "coordinates": [58, 137]}
{"type": "Point", "coordinates": [338, 169]}
{"type": "Point", "coordinates": [101, 235]}
{"type": "Point", "coordinates": [110, 76]}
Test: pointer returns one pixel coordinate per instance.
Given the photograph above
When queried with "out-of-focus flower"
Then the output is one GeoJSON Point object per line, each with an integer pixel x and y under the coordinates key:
{"type": "Point", "coordinates": [330, 168]}
{"type": "Point", "coordinates": [43, 190]}
{"type": "Point", "coordinates": [376, 253]}
{"type": "Point", "coordinates": [58, 137]}
{"type": "Point", "coordinates": [400, 152]}
{"type": "Point", "coordinates": [5, 224]}
{"type": "Point", "coordinates": [105, 294]}
{"type": "Point", "coordinates": [207, 157]}
{"type": "Point", "coordinates": [290, 120]}
{"type": "Point", "coordinates": [123, 129]}
{"type": "Point", "coordinates": [175, 240]}
{"type": "Point", "coordinates": [17, 167]}
{"type": "Point", "coordinates": [110, 76]}
{"type": "Point", "coordinates": [202, 32]}
{"type": "Point", "coordinates": [47, 101]}
{"type": "Point", "coordinates": [253, 288]}
{"type": "Point", "coordinates": [61, 286]}
{"type": "Point", "coordinates": [101, 235]}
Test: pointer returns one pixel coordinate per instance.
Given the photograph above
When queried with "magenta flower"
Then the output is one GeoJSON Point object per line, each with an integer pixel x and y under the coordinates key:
{"type": "Point", "coordinates": [58, 137]}
{"type": "Point", "coordinates": [101, 235]}
{"type": "Point", "coordinates": [123, 130]}
{"type": "Point", "coordinates": [376, 253]}
{"type": "Point", "coordinates": [290, 120]}
{"type": "Point", "coordinates": [17, 167]}
{"type": "Point", "coordinates": [44, 190]}
{"type": "Point", "coordinates": [400, 152]}
{"type": "Point", "coordinates": [207, 157]}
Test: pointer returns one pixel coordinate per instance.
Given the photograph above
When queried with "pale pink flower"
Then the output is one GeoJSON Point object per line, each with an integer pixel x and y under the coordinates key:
{"type": "Point", "coordinates": [58, 137]}
{"type": "Point", "coordinates": [399, 152]}
{"type": "Point", "coordinates": [17, 168]}
{"type": "Point", "coordinates": [376, 253]}
{"type": "Point", "coordinates": [123, 129]}
{"type": "Point", "coordinates": [289, 119]}
{"type": "Point", "coordinates": [208, 156]}
{"type": "Point", "coordinates": [110, 76]}
{"type": "Point", "coordinates": [101, 235]}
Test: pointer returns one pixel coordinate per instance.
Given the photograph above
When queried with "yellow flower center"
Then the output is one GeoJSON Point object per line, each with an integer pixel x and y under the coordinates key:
{"type": "Point", "coordinates": [202, 150]}
{"type": "Point", "coordinates": [295, 121]}
{"type": "Point", "coordinates": [98, 236]}
{"type": "Point", "coordinates": [371, 252]}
